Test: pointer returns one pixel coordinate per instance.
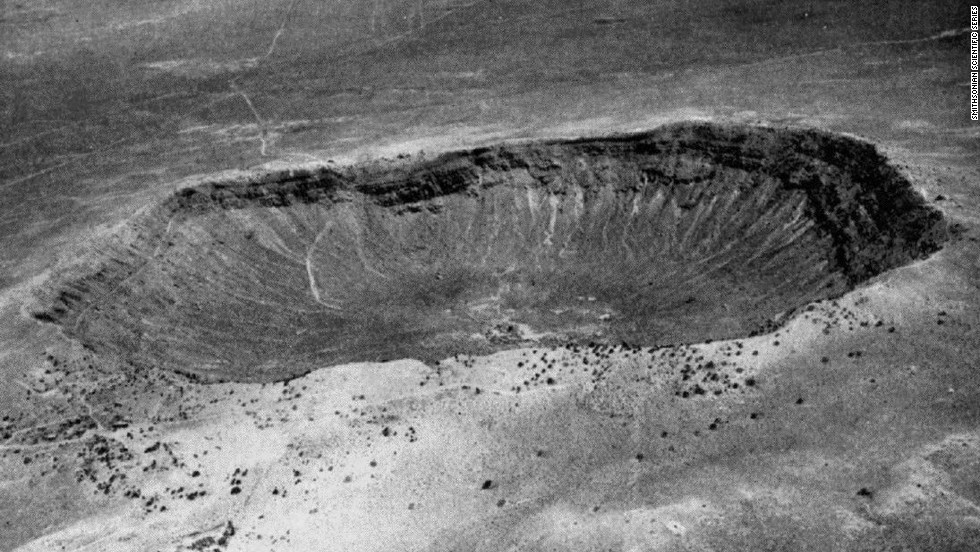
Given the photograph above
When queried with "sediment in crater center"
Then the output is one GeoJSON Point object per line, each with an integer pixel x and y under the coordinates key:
{"type": "Point", "coordinates": [687, 233]}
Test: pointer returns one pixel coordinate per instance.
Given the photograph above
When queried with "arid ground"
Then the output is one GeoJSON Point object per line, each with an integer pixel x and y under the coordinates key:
{"type": "Point", "coordinates": [439, 275]}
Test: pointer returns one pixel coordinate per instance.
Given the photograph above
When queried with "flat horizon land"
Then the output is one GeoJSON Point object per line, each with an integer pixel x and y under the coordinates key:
{"type": "Point", "coordinates": [490, 275]}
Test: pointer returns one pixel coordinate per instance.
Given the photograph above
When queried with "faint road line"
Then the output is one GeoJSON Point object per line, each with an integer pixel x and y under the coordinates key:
{"type": "Point", "coordinates": [258, 118]}
{"type": "Point", "coordinates": [34, 175]}
{"type": "Point", "coordinates": [938, 36]}
{"type": "Point", "coordinates": [282, 29]}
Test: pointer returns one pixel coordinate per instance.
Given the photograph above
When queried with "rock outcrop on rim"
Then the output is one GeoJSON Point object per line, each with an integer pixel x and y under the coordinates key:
{"type": "Point", "coordinates": [690, 232]}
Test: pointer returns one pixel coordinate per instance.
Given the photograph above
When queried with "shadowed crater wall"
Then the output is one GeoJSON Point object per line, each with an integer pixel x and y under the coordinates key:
{"type": "Point", "coordinates": [687, 233]}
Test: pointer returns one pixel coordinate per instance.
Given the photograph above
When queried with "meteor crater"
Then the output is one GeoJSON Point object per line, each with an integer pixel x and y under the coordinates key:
{"type": "Point", "coordinates": [687, 233]}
